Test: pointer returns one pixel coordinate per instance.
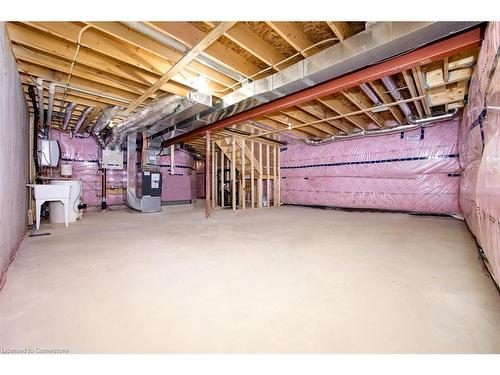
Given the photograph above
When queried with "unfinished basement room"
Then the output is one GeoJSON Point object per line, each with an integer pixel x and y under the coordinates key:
{"type": "Point", "coordinates": [249, 187]}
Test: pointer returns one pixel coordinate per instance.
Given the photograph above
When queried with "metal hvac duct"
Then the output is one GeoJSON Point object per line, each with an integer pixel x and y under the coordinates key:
{"type": "Point", "coordinates": [147, 116]}
{"type": "Point", "coordinates": [396, 95]}
{"type": "Point", "coordinates": [412, 125]}
{"type": "Point", "coordinates": [106, 115]}
{"type": "Point", "coordinates": [381, 41]}
{"type": "Point", "coordinates": [82, 118]}
{"type": "Point", "coordinates": [68, 112]}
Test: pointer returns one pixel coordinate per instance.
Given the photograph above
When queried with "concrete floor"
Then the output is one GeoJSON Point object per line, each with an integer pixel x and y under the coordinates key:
{"type": "Point", "coordinates": [293, 280]}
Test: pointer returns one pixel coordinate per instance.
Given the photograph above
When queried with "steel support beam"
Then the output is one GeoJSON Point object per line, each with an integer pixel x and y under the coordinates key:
{"type": "Point", "coordinates": [424, 55]}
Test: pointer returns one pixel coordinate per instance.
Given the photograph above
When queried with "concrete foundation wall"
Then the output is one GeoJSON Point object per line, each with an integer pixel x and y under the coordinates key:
{"type": "Point", "coordinates": [14, 155]}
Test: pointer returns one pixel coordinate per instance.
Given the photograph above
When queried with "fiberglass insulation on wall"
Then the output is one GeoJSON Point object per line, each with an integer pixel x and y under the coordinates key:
{"type": "Point", "coordinates": [479, 146]}
{"type": "Point", "coordinates": [416, 171]}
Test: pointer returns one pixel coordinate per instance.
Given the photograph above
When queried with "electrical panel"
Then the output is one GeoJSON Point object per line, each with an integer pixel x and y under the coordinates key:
{"type": "Point", "coordinates": [112, 159]}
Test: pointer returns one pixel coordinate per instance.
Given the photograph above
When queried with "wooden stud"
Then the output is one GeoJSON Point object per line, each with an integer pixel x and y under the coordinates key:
{"type": "Point", "coordinates": [243, 182]}
{"type": "Point", "coordinates": [214, 176]}
{"type": "Point", "coordinates": [252, 175]}
{"type": "Point", "coordinates": [233, 172]}
{"type": "Point", "coordinates": [268, 196]}
{"type": "Point", "coordinates": [222, 174]}
{"type": "Point", "coordinates": [275, 183]}
{"type": "Point", "coordinates": [278, 165]}
{"type": "Point", "coordinates": [207, 174]}
{"type": "Point", "coordinates": [259, 181]}
{"type": "Point", "coordinates": [172, 159]}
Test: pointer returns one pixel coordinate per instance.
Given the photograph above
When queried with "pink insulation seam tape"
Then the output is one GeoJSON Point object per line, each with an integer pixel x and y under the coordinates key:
{"type": "Point", "coordinates": [479, 145]}
{"type": "Point", "coordinates": [415, 171]}
{"type": "Point", "coordinates": [84, 155]}
{"type": "Point", "coordinates": [180, 186]}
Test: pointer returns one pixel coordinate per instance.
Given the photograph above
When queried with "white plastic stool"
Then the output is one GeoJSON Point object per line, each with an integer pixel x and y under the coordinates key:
{"type": "Point", "coordinates": [47, 193]}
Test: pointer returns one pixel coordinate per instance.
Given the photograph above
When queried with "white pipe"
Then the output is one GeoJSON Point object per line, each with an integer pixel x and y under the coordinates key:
{"type": "Point", "coordinates": [52, 91]}
{"type": "Point", "coordinates": [161, 38]}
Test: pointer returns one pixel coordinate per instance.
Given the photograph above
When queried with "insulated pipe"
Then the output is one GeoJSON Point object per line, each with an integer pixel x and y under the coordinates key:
{"type": "Point", "coordinates": [107, 114]}
{"type": "Point", "coordinates": [413, 124]}
{"type": "Point", "coordinates": [145, 117]}
{"type": "Point", "coordinates": [392, 88]}
{"type": "Point", "coordinates": [370, 93]}
{"type": "Point", "coordinates": [67, 114]}
{"type": "Point", "coordinates": [427, 120]}
{"type": "Point", "coordinates": [41, 108]}
{"type": "Point", "coordinates": [52, 91]}
{"type": "Point", "coordinates": [82, 118]}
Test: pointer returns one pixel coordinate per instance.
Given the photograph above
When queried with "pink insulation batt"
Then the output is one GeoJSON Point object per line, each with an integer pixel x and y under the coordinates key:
{"type": "Point", "coordinates": [413, 171]}
{"type": "Point", "coordinates": [479, 145]}
{"type": "Point", "coordinates": [85, 155]}
{"type": "Point", "coordinates": [180, 186]}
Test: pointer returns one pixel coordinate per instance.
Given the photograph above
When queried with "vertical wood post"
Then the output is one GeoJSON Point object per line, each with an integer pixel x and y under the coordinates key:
{"type": "Point", "coordinates": [207, 174]}
{"type": "Point", "coordinates": [252, 175]}
{"type": "Point", "coordinates": [259, 181]}
{"type": "Point", "coordinates": [278, 165]}
{"type": "Point", "coordinates": [243, 172]}
{"type": "Point", "coordinates": [275, 176]}
{"type": "Point", "coordinates": [268, 192]}
{"type": "Point", "coordinates": [233, 172]}
{"type": "Point", "coordinates": [214, 170]}
{"type": "Point", "coordinates": [222, 174]}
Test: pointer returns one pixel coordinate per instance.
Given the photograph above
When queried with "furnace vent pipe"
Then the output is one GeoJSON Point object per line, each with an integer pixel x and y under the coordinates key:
{"type": "Point", "coordinates": [67, 114]}
{"type": "Point", "coordinates": [412, 125]}
{"type": "Point", "coordinates": [393, 90]}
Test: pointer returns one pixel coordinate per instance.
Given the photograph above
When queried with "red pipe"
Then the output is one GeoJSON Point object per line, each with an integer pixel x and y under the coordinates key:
{"type": "Point", "coordinates": [424, 55]}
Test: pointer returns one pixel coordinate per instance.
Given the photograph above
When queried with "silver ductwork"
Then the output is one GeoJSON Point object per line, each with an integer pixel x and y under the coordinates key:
{"type": "Point", "coordinates": [390, 85]}
{"type": "Point", "coordinates": [68, 112]}
{"type": "Point", "coordinates": [190, 106]}
{"type": "Point", "coordinates": [412, 125]}
{"type": "Point", "coordinates": [106, 115]}
{"type": "Point", "coordinates": [82, 118]}
{"type": "Point", "coordinates": [147, 116]}
{"type": "Point", "coordinates": [380, 41]}
{"type": "Point", "coordinates": [371, 94]}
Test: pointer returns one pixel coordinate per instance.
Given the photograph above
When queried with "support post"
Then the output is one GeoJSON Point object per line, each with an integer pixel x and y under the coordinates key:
{"type": "Point", "coordinates": [259, 181]}
{"type": "Point", "coordinates": [252, 175]}
{"type": "Point", "coordinates": [243, 172]}
{"type": "Point", "coordinates": [278, 165]}
{"type": "Point", "coordinates": [268, 195]}
{"type": "Point", "coordinates": [233, 172]}
{"type": "Point", "coordinates": [207, 174]}
{"type": "Point", "coordinates": [222, 174]}
{"type": "Point", "coordinates": [275, 179]}
{"type": "Point", "coordinates": [214, 170]}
